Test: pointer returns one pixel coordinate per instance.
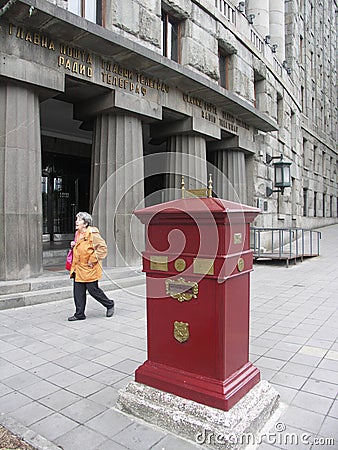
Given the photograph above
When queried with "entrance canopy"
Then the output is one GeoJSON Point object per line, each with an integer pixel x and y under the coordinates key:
{"type": "Point", "coordinates": [49, 20]}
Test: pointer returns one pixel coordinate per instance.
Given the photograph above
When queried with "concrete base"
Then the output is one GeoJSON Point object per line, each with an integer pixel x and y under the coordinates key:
{"type": "Point", "coordinates": [201, 424]}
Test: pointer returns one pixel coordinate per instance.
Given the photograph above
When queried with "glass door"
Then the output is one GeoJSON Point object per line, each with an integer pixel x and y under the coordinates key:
{"type": "Point", "coordinates": [65, 191]}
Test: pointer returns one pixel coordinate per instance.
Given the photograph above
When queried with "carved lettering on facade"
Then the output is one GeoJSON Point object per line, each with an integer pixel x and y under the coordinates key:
{"type": "Point", "coordinates": [117, 75]}
{"type": "Point", "coordinates": [81, 62]}
{"type": "Point", "coordinates": [122, 83]}
{"type": "Point", "coordinates": [210, 113]}
{"type": "Point", "coordinates": [75, 67]}
{"type": "Point", "coordinates": [33, 38]}
{"type": "Point", "coordinates": [208, 116]}
{"type": "Point", "coordinates": [76, 53]}
{"type": "Point", "coordinates": [209, 107]}
{"type": "Point", "coordinates": [76, 60]}
{"type": "Point", "coordinates": [228, 125]}
{"type": "Point", "coordinates": [152, 83]}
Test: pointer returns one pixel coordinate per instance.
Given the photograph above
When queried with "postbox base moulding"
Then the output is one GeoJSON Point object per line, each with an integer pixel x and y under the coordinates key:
{"type": "Point", "coordinates": [221, 394]}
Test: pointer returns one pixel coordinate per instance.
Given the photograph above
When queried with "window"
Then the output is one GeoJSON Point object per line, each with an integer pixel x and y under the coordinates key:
{"type": "Point", "coordinates": [302, 97]}
{"type": "Point", "coordinates": [324, 209]}
{"type": "Point", "coordinates": [331, 205]}
{"type": "Point", "coordinates": [280, 109]}
{"type": "Point", "coordinates": [293, 129]}
{"type": "Point", "coordinates": [170, 44]}
{"type": "Point", "coordinates": [301, 49]}
{"type": "Point", "coordinates": [259, 90]}
{"type": "Point", "coordinates": [323, 168]}
{"type": "Point", "coordinates": [223, 61]}
{"type": "Point", "coordinates": [89, 9]}
{"type": "Point", "coordinates": [305, 191]}
{"type": "Point", "coordinates": [315, 204]}
{"type": "Point", "coordinates": [305, 154]}
{"type": "Point", "coordinates": [312, 18]}
{"type": "Point", "coordinates": [313, 110]}
{"type": "Point", "coordinates": [316, 159]}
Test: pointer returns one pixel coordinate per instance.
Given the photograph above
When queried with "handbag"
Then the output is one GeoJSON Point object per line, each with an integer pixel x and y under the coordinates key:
{"type": "Point", "coordinates": [69, 259]}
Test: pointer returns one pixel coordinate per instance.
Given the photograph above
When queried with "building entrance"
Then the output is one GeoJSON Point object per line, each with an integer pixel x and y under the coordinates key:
{"type": "Point", "coordinates": [65, 187]}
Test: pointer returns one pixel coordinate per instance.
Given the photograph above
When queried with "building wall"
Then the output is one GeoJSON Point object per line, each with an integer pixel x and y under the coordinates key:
{"type": "Point", "coordinates": [283, 81]}
{"type": "Point", "coordinates": [303, 101]}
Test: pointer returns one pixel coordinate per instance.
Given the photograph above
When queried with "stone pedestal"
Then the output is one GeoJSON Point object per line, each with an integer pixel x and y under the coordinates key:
{"type": "Point", "coordinates": [20, 188]}
{"type": "Point", "coordinates": [117, 185]}
{"type": "Point", "coordinates": [213, 428]}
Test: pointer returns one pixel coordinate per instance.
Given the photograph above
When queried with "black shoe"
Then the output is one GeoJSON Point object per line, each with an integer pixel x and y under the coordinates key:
{"type": "Point", "coordinates": [110, 311]}
{"type": "Point", "coordinates": [72, 318]}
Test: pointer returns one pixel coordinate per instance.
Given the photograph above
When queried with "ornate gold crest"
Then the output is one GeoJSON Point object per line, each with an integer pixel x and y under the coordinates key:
{"type": "Point", "coordinates": [181, 290]}
{"type": "Point", "coordinates": [181, 331]}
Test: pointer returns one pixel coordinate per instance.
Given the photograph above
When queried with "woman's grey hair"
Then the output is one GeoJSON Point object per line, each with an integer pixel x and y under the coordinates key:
{"type": "Point", "coordinates": [86, 217]}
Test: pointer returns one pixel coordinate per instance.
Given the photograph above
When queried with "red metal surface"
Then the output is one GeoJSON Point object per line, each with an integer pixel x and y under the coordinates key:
{"type": "Point", "coordinates": [212, 366]}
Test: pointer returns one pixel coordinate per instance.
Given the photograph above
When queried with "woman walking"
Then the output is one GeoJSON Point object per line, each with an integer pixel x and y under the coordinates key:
{"type": "Point", "coordinates": [89, 248]}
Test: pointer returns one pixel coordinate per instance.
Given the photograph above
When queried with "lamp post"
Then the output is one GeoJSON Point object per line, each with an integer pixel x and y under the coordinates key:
{"type": "Point", "coordinates": [282, 174]}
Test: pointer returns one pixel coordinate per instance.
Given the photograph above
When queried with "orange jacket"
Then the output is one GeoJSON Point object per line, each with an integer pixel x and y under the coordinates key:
{"type": "Point", "coordinates": [92, 248]}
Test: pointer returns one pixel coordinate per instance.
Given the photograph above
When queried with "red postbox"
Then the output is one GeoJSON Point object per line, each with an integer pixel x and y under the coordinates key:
{"type": "Point", "coordinates": [198, 262]}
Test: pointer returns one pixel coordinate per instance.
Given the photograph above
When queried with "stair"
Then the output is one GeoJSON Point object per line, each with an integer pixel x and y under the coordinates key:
{"type": "Point", "coordinates": [52, 286]}
{"type": "Point", "coordinates": [55, 257]}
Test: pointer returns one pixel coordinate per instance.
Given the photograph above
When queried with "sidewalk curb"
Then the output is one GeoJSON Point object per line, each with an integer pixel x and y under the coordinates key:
{"type": "Point", "coordinates": [29, 436]}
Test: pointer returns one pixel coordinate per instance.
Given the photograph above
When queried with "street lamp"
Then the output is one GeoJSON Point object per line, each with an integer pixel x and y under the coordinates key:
{"type": "Point", "coordinates": [282, 174]}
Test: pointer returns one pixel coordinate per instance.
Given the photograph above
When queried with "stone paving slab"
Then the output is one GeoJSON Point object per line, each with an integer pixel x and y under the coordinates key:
{"type": "Point", "coordinates": [68, 374]}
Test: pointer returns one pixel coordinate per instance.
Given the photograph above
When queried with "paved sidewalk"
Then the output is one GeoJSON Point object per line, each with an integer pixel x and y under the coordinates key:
{"type": "Point", "coordinates": [59, 380]}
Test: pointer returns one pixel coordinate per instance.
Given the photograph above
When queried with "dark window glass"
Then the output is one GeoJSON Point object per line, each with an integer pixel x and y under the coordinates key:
{"type": "Point", "coordinates": [224, 70]}
{"type": "Point", "coordinates": [305, 202]}
{"type": "Point", "coordinates": [170, 37]}
{"type": "Point", "coordinates": [89, 9]}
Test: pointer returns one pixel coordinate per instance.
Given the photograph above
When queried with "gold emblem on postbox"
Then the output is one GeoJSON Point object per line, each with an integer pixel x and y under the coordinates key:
{"type": "Point", "coordinates": [237, 238]}
{"type": "Point", "coordinates": [158, 262]}
{"type": "Point", "coordinates": [180, 289]}
{"type": "Point", "coordinates": [181, 331]}
{"type": "Point", "coordinates": [179, 264]}
{"type": "Point", "coordinates": [240, 264]}
{"type": "Point", "coordinates": [203, 266]}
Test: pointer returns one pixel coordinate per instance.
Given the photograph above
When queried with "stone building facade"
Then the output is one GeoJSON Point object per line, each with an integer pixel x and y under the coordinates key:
{"type": "Point", "coordinates": [106, 103]}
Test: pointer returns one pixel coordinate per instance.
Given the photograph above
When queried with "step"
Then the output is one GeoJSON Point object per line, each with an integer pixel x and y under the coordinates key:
{"type": "Point", "coordinates": [54, 257]}
{"type": "Point", "coordinates": [60, 287]}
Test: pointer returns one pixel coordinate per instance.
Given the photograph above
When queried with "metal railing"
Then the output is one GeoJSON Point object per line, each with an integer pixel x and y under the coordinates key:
{"type": "Point", "coordinates": [257, 41]}
{"type": "Point", "coordinates": [228, 10]}
{"type": "Point", "coordinates": [285, 243]}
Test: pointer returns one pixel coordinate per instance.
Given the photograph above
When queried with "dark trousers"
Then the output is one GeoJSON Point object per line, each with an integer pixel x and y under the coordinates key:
{"type": "Point", "coordinates": [80, 297]}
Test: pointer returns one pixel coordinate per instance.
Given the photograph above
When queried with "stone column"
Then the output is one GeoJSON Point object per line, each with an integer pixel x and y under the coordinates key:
{"type": "Point", "coordinates": [117, 185]}
{"type": "Point", "coordinates": [20, 192]}
{"type": "Point", "coordinates": [261, 10]}
{"type": "Point", "coordinates": [277, 26]}
{"type": "Point", "coordinates": [230, 178]}
{"type": "Point", "coordinates": [187, 157]}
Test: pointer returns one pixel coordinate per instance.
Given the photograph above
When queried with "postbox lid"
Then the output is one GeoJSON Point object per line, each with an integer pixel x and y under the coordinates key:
{"type": "Point", "coordinates": [197, 207]}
